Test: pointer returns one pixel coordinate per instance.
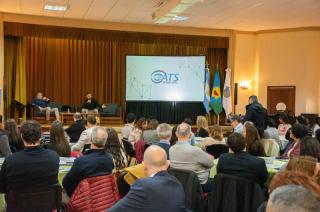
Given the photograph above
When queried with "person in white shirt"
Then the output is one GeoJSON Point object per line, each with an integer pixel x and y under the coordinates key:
{"type": "Point", "coordinates": [85, 137]}
{"type": "Point", "coordinates": [125, 131]}
{"type": "Point", "coordinates": [236, 124]}
{"type": "Point", "coordinates": [284, 124]}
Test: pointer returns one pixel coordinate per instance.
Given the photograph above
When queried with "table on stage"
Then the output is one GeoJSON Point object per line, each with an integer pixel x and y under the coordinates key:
{"type": "Point", "coordinates": [64, 167]}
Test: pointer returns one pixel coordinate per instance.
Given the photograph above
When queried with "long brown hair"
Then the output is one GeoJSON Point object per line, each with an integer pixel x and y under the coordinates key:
{"type": "Point", "coordinates": [254, 146]}
{"type": "Point", "coordinates": [58, 139]}
{"type": "Point", "coordinates": [114, 147]}
{"type": "Point", "coordinates": [216, 132]}
{"type": "Point", "coordinates": [13, 132]}
{"type": "Point", "coordinates": [305, 164]}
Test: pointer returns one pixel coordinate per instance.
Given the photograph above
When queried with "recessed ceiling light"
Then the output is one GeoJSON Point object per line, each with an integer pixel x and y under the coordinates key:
{"type": "Point", "coordinates": [180, 18]}
{"type": "Point", "coordinates": [51, 7]}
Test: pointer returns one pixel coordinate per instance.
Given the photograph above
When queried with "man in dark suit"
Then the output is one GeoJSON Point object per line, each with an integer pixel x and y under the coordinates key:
{"type": "Point", "coordinates": [95, 162]}
{"type": "Point", "coordinates": [31, 169]}
{"type": "Point", "coordinates": [241, 164]}
{"type": "Point", "coordinates": [75, 130]}
{"type": "Point", "coordinates": [158, 192]}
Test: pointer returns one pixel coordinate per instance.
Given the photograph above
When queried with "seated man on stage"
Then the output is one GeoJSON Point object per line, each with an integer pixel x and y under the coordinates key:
{"type": "Point", "coordinates": [42, 103]}
{"type": "Point", "coordinates": [90, 104]}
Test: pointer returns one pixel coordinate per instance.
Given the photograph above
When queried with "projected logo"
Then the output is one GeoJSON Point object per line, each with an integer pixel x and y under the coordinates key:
{"type": "Point", "coordinates": [160, 76]}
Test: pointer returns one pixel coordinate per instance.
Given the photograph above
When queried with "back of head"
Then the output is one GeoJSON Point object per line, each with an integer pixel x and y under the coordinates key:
{"type": "Point", "coordinates": [188, 121]}
{"type": "Point", "coordinates": [131, 118]}
{"type": "Point", "coordinates": [153, 124]}
{"type": "Point", "coordinates": [272, 123]}
{"type": "Point", "coordinates": [310, 146]}
{"type": "Point", "coordinates": [236, 118]}
{"type": "Point", "coordinates": [155, 158]}
{"type": "Point", "coordinates": [236, 142]}
{"type": "Point", "coordinates": [305, 164]}
{"type": "Point", "coordinates": [91, 119]}
{"type": "Point", "coordinates": [99, 137]}
{"type": "Point", "coordinates": [202, 122]}
{"type": "Point", "coordinates": [251, 133]}
{"type": "Point", "coordinates": [284, 118]}
{"type": "Point", "coordinates": [253, 99]}
{"type": "Point", "coordinates": [77, 116]}
{"type": "Point", "coordinates": [216, 132]}
{"type": "Point", "coordinates": [31, 132]}
{"type": "Point", "coordinates": [183, 131]}
{"type": "Point", "coordinates": [294, 177]}
{"type": "Point", "coordinates": [301, 120]}
{"type": "Point", "coordinates": [164, 131]}
{"type": "Point", "coordinates": [293, 198]}
{"type": "Point", "coordinates": [57, 133]}
{"type": "Point", "coordinates": [11, 127]}
{"type": "Point", "coordinates": [113, 139]}
{"type": "Point", "coordinates": [299, 131]}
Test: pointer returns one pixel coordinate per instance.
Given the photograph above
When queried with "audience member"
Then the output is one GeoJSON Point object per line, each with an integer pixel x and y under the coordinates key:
{"type": "Point", "coordinates": [305, 164]}
{"type": "Point", "coordinates": [31, 169]}
{"type": "Point", "coordinates": [158, 192]}
{"type": "Point", "coordinates": [125, 132]}
{"type": "Point", "coordinates": [42, 103]}
{"type": "Point", "coordinates": [297, 132]}
{"type": "Point", "coordinates": [301, 120]}
{"type": "Point", "coordinates": [114, 147]}
{"type": "Point", "coordinates": [150, 134]}
{"type": "Point", "coordinates": [202, 127]}
{"type": "Point", "coordinates": [236, 124]}
{"type": "Point", "coordinates": [58, 141]}
{"type": "Point", "coordinates": [313, 125]}
{"type": "Point", "coordinates": [284, 124]}
{"type": "Point", "coordinates": [310, 147]}
{"type": "Point", "coordinates": [293, 198]}
{"type": "Point", "coordinates": [184, 156]}
{"type": "Point", "coordinates": [135, 135]}
{"type": "Point", "coordinates": [241, 164]}
{"type": "Point", "coordinates": [90, 104]}
{"type": "Point", "coordinates": [74, 130]}
{"type": "Point", "coordinates": [192, 139]}
{"type": "Point", "coordinates": [5, 150]}
{"type": "Point", "coordinates": [85, 137]}
{"type": "Point", "coordinates": [272, 132]}
{"type": "Point", "coordinates": [216, 137]}
{"type": "Point", "coordinates": [294, 178]}
{"type": "Point", "coordinates": [164, 132]}
{"type": "Point", "coordinates": [94, 162]}
{"type": "Point", "coordinates": [253, 143]}
{"type": "Point", "coordinates": [15, 141]}
{"type": "Point", "coordinates": [174, 137]}
{"type": "Point", "coordinates": [142, 123]}
{"type": "Point", "coordinates": [256, 113]}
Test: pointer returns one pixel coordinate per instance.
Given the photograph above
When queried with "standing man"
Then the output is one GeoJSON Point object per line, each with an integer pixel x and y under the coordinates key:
{"type": "Point", "coordinates": [42, 103]}
{"type": "Point", "coordinates": [90, 104]}
{"type": "Point", "coordinates": [256, 113]}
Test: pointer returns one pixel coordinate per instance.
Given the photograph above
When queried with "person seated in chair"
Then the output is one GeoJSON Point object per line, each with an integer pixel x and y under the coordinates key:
{"type": "Point", "coordinates": [241, 164]}
{"type": "Point", "coordinates": [94, 162]}
{"type": "Point", "coordinates": [164, 132]}
{"type": "Point", "coordinates": [152, 193]}
{"type": "Point", "coordinates": [42, 103]}
{"type": "Point", "coordinates": [33, 168]}
{"type": "Point", "coordinates": [184, 156]}
{"type": "Point", "coordinates": [74, 130]}
{"type": "Point", "coordinates": [90, 104]}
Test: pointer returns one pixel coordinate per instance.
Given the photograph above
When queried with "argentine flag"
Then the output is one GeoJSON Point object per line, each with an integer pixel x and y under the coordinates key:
{"type": "Point", "coordinates": [206, 99]}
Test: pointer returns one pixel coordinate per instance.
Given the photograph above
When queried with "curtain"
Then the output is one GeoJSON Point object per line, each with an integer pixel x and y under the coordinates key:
{"type": "Point", "coordinates": [14, 75]}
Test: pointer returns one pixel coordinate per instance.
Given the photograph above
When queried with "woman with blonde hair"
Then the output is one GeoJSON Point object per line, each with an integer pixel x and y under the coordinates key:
{"type": "Point", "coordinates": [202, 127]}
{"type": "Point", "coordinates": [216, 137]}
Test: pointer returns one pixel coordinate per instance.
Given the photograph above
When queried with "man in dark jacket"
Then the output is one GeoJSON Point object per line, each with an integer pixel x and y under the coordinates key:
{"type": "Point", "coordinates": [158, 192]}
{"type": "Point", "coordinates": [90, 104]}
{"type": "Point", "coordinates": [95, 162]}
{"type": "Point", "coordinates": [256, 113]}
{"type": "Point", "coordinates": [75, 130]}
{"type": "Point", "coordinates": [31, 169]}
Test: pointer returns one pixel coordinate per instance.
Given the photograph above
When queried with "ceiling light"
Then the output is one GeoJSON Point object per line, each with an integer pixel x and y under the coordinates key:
{"type": "Point", "coordinates": [180, 18]}
{"type": "Point", "coordinates": [59, 8]}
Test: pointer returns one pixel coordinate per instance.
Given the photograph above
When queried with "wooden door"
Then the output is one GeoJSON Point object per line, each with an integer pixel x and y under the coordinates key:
{"type": "Point", "coordinates": [284, 94]}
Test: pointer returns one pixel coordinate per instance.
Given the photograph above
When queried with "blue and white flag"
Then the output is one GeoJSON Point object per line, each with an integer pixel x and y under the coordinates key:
{"type": "Point", "coordinates": [206, 99]}
{"type": "Point", "coordinates": [226, 99]}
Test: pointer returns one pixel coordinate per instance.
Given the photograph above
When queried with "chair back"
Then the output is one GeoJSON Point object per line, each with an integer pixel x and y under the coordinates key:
{"type": "Point", "coordinates": [94, 194]}
{"type": "Point", "coordinates": [35, 201]}
{"type": "Point", "coordinates": [194, 199]}
{"type": "Point", "coordinates": [217, 149]}
{"type": "Point", "coordinates": [271, 147]}
{"type": "Point", "coordinates": [230, 193]}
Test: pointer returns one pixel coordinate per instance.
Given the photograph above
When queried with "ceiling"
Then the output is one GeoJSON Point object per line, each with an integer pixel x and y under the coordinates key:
{"type": "Point", "coordinates": [247, 15]}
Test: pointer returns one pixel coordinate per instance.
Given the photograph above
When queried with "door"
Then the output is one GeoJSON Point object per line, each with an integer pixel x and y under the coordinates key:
{"type": "Point", "coordinates": [285, 95]}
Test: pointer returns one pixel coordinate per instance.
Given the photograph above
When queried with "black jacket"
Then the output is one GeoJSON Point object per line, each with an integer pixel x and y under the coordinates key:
{"type": "Point", "coordinates": [5, 150]}
{"type": "Point", "coordinates": [257, 114]}
{"type": "Point", "coordinates": [243, 165]}
{"type": "Point", "coordinates": [203, 133]}
{"type": "Point", "coordinates": [230, 193]}
{"type": "Point", "coordinates": [94, 162]}
{"type": "Point", "coordinates": [74, 130]}
{"type": "Point", "coordinates": [32, 168]}
{"type": "Point", "coordinates": [94, 104]}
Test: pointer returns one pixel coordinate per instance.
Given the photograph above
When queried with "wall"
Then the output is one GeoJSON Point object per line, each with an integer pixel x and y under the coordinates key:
{"type": "Point", "coordinates": [280, 58]}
